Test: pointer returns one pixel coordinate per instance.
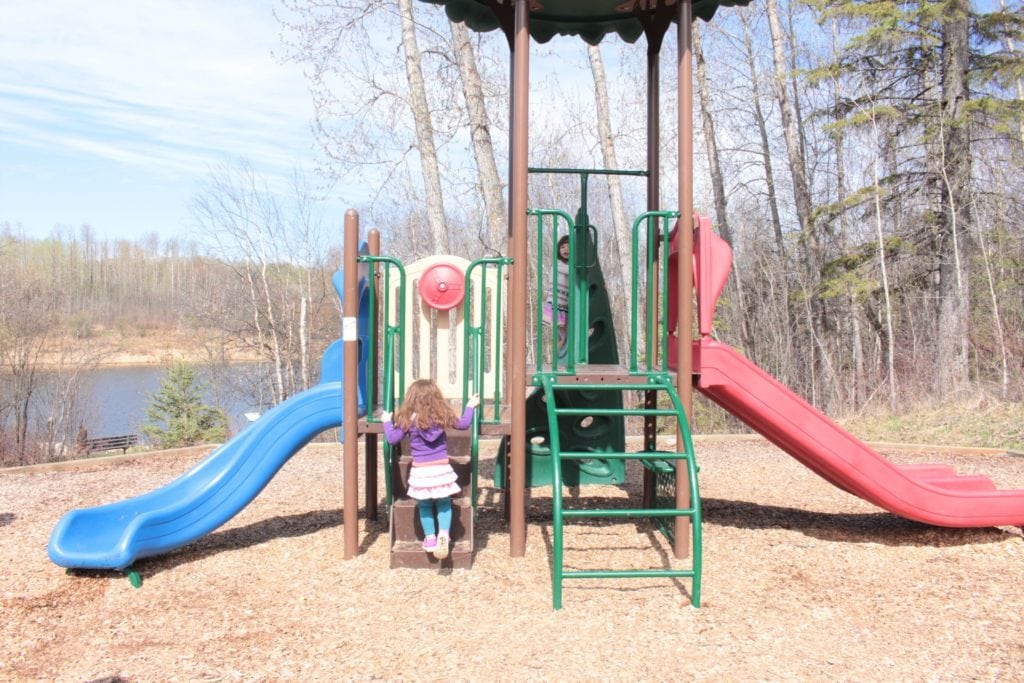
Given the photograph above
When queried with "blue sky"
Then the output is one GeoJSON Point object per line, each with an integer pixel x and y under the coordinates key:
{"type": "Point", "coordinates": [112, 114]}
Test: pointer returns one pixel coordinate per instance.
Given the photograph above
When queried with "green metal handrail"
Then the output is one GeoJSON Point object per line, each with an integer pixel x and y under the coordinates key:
{"type": "Point", "coordinates": [394, 336]}
{"type": "Point", "coordinates": [474, 350]}
{"type": "Point", "coordinates": [657, 243]}
{"type": "Point", "coordinates": [474, 335]}
{"type": "Point", "coordinates": [657, 228]}
{"type": "Point", "coordinates": [556, 216]}
{"type": "Point", "coordinates": [578, 303]}
{"type": "Point", "coordinates": [694, 490]}
{"type": "Point", "coordinates": [659, 381]}
{"type": "Point", "coordinates": [391, 331]}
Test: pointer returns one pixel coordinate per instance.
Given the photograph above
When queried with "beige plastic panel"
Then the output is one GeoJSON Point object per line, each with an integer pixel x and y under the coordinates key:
{"type": "Point", "coordinates": [434, 339]}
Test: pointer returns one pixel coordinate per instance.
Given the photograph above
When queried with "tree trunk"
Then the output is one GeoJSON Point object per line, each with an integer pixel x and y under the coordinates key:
{"type": "Point", "coordinates": [718, 187]}
{"type": "Point", "coordinates": [433, 197]}
{"type": "Point", "coordinates": [809, 247]}
{"type": "Point", "coordinates": [762, 129]}
{"type": "Point", "coordinates": [708, 124]}
{"type": "Point", "coordinates": [890, 349]}
{"type": "Point", "coordinates": [1011, 47]}
{"type": "Point", "coordinates": [790, 125]}
{"type": "Point", "coordinates": [857, 385]}
{"type": "Point", "coordinates": [480, 134]}
{"type": "Point", "coordinates": [620, 227]}
{"type": "Point", "coordinates": [952, 329]}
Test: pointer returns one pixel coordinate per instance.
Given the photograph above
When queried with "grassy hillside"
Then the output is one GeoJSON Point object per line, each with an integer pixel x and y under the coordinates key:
{"type": "Point", "coordinates": [981, 422]}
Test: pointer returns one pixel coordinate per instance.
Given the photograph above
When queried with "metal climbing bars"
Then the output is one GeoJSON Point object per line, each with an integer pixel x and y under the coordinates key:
{"type": "Point", "coordinates": [685, 466]}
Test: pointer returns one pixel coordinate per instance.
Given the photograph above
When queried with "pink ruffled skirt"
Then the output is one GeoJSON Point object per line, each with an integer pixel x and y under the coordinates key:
{"type": "Point", "coordinates": [432, 481]}
{"type": "Point", "coordinates": [563, 315]}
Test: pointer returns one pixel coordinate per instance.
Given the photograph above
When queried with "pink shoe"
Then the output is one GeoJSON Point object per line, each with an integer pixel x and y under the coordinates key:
{"type": "Point", "coordinates": [430, 543]}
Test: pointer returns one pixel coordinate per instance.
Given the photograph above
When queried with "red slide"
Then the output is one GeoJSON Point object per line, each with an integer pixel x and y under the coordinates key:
{"type": "Point", "coordinates": [932, 494]}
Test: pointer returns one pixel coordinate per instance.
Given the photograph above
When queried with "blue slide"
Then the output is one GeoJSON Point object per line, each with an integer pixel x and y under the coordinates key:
{"type": "Point", "coordinates": [116, 535]}
{"type": "Point", "coordinates": [215, 490]}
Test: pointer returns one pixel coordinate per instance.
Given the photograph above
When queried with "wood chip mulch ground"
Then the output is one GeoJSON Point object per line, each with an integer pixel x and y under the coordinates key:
{"type": "Point", "coordinates": [801, 582]}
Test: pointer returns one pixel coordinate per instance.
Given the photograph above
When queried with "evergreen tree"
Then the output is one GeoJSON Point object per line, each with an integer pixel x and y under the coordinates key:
{"type": "Point", "coordinates": [177, 415]}
{"type": "Point", "coordinates": [935, 79]}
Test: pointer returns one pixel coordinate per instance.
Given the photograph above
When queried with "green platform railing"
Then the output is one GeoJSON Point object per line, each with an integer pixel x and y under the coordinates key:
{"type": "Point", "coordinates": [656, 227]}
{"type": "Point", "coordinates": [550, 225]}
{"type": "Point", "coordinates": [385, 268]}
{"type": "Point", "coordinates": [482, 344]}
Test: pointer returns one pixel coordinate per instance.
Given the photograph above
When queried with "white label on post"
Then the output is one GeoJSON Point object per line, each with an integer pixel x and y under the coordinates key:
{"type": "Point", "coordinates": [349, 329]}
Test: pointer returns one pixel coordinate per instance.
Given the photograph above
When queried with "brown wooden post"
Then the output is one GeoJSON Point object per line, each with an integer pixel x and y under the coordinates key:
{"type": "Point", "coordinates": [684, 284]}
{"type": "Point", "coordinates": [517, 339]}
{"type": "Point", "coordinates": [350, 342]}
{"type": "Point", "coordinates": [370, 439]}
{"type": "Point", "coordinates": [653, 204]}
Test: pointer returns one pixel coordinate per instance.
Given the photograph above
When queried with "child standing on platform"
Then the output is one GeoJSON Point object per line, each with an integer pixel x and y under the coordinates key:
{"type": "Point", "coordinates": [424, 416]}
{"type": "Point", "coordinates": [556, 308]}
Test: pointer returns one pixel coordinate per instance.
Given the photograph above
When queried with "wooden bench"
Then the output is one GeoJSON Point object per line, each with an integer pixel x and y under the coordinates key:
{"type": "Point", "coordinates": [109, 443]}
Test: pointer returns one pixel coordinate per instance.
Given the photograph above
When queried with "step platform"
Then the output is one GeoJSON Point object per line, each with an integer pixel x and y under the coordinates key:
{"type": "Point", "coordinates": [407, 533]}
{"type": "Point", "coordinates": [407, 537]}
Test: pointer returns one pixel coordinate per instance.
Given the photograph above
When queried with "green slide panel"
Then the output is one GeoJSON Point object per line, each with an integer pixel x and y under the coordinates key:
{"type": "Point", "coordinates": [600, 433]}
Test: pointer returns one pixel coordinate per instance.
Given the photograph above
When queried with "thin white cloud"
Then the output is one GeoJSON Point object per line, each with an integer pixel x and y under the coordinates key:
{"type": "Point", "coordinates": [175, 84]}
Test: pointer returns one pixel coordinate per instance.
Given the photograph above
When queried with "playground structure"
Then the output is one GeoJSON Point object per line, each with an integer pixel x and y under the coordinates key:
{"type": "Point", "coordinates": [560, 418]}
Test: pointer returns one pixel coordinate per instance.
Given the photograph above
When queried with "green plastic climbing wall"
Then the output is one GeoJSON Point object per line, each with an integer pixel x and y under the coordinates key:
{"type": "Point", "coordinates": [597, 434]}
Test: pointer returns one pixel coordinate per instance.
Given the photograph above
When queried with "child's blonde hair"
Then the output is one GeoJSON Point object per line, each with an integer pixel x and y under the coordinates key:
{"type": "Point", "coordinates": [424, 399]}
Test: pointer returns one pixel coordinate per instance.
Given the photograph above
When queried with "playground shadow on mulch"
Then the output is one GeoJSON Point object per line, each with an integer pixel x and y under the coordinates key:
{"type": "Point", "coordinates": [871, 527]}
{"type": "Point", "coordinates": [7, 517]}
{"type": "Point", "coordinates": [283, 526]}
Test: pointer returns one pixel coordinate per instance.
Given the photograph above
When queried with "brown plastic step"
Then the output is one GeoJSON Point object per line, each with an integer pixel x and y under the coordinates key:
{"type": "Point", "coordinates": [407, 537]}
{"type": "Point", "coordinates": [406, 531]}
{"type": "Point", "coordinates": [410, 555]}
{"type": "Point", "coordinates": [405, 520]}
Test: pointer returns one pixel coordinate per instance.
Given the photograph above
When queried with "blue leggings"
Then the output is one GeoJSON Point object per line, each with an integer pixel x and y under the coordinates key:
{"type": "Point", "coordinates": [444, 515]}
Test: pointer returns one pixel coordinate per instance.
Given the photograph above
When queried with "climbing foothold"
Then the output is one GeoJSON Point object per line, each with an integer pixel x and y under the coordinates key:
{"type": "Point", "coordinates": [442, 286]}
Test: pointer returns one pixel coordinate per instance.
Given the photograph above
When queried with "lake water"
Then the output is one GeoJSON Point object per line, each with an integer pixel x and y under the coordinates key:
{"type": "Point", "coordinates": [115, 400]}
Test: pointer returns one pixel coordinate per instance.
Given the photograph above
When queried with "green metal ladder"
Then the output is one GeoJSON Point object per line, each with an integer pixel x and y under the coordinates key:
{"type": "Point", "coordinates": [684, 464]}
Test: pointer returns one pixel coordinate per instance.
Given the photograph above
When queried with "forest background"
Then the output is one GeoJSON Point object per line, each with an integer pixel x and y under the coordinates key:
{"type": "Point", "coordinates": [863, 159]}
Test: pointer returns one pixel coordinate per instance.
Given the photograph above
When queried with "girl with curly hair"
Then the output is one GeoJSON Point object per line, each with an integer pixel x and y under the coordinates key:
{"type": "Point", "coordinates": [424, 416]}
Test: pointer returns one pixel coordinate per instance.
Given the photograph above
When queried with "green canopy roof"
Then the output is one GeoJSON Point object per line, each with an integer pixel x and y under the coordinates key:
{"type": "Point", "coordinates": [592, 20]}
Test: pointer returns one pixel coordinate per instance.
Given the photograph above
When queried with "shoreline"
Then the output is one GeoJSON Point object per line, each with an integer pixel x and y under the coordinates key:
{"type": "Point", "coordinates": [150, 363]}
{"type": "Point", "coordinates": [112, 347]}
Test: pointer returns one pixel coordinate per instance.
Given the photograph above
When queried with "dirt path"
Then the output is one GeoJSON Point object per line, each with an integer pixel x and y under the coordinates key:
{"type": "Point", "coordinates": [801, 581]}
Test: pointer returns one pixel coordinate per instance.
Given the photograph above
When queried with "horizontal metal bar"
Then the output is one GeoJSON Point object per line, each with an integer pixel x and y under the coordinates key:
{"type": "Point", "coordinates": [612, 386]}
{"type": "Point", "coordinates": [662, 412]}
{"type": "Point", "coordinates": [633, 512]}
{"type": "Point", "coordinates": [588, 171]}
{"type": "Point", "coordinates": [627, 573]}
{"type": "Point", "coordinates": [598, 455]}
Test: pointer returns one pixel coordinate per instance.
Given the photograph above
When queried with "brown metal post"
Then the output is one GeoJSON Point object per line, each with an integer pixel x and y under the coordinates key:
{"type": "Point", "coordinates": [370, 439]}
{"type": "Point", "coordinates": [350, 342]}
{"type": "Point", "coordinates": [684, 285]}
{"type": "Point", "coordinates": [653, 203]}
{"type": "Point", "coordinates": [653, 130]}
{"type": "Point", "coordinates": [516, 356]}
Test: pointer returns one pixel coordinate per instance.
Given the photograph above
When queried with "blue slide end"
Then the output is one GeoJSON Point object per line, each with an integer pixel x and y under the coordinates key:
{"type": "Point", "coordinates": [215, 490]}
{"type": "Point", "coordinates": [114, 536]}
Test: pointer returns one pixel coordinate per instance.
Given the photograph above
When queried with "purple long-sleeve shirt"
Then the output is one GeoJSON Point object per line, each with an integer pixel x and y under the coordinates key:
{"type": "Point", "coordinates": [428, 445]}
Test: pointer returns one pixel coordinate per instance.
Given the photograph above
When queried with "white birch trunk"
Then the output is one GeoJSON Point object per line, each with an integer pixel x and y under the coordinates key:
{"type": "Point", "coordinates": [620, 224]}
{"type": "Point", "coordinates": [480, 135]}
{"type": "Point", "coordinates": [433, 197]}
